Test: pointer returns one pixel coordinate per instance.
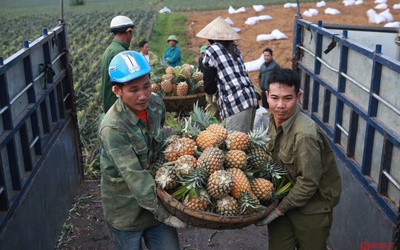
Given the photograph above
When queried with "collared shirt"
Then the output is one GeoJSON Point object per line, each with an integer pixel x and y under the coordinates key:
{"type": "Point", "coordinates": [112, 50]}
{"type": "Point", "coordinates": [265, 72]}
{"type": "Point", "coordinates": [128, 190]}
{"type": "Point", "coordinates": [235, 90]}
{"type": "Point", "coordinates": [301, 147]}
{"type": "Point", "coordinates": [174, 56]}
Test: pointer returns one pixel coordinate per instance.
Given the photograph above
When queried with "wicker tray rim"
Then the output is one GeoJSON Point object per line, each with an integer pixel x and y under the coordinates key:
{"type": "Point", "coordinates": [183, 97]}
{"type": "Point", "coordinates": [208, 219]}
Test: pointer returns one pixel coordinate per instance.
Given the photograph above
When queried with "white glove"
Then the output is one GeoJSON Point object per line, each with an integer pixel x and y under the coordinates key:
{"type": "Point", "coordinates": [173, 221]}
{"type": "Point", "coordinates": [270, 217]}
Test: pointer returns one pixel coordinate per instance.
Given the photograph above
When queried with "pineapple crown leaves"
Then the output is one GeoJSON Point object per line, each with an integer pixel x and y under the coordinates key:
{"type": "Point", "coordinates": [193, 182]}
{"type": "Point", "coordinates": [258, 138]}
{"type": "Point", "coordinates": [282, 189]}
{"type": "Point", "coordinates": [191, 129]}
{"type": "Point", "coordinates": [176, 124]}
{"type": "Point", "coordinates": [271, 171]}
{"type": "Point", "coordinates": [200, 117]}
{"type": "Point", "coordinates": [247, 202]}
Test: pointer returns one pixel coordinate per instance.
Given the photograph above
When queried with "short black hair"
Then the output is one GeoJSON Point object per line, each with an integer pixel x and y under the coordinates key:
{"type": "Point", "coordinates": [285, 76]}
{"type": "Point", "coordinates": [142, 43]}
{"type": "Point", "coordinates": [268, 50]}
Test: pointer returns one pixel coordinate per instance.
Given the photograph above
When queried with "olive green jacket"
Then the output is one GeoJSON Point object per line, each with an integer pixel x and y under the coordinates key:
{"type": "Point", "coordinates": [301, 147]}
{"type": "Point", "coordinates": [128, 190]}
{"type": "Point", "coordinates": [112, 50]}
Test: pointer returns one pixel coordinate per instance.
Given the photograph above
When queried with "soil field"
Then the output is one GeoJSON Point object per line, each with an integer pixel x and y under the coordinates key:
{"type": "Point", "coordinates": [87, 229]}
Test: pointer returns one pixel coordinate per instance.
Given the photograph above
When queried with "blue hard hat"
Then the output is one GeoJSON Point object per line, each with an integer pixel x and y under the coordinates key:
{"type": "Point", "coordinates": [127, 66]}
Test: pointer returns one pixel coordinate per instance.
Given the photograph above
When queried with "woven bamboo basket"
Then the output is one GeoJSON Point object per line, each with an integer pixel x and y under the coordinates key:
{"type": "Point", "coordinates": [210, 220]}
{"type": "Point", "coordinates": [184, 103]}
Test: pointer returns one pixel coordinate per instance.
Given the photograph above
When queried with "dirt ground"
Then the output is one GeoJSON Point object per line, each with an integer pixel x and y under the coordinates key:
{"type": "Point", "coordinates": [85, 228]}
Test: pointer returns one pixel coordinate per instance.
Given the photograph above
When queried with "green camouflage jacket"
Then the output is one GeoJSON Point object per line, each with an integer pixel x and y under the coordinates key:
{"type": "Point", "coordinates": [128, 190]}
{"type": "Point", "coordinates": [112, 50]}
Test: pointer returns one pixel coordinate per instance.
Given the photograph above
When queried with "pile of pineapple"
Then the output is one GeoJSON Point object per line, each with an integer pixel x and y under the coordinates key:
{"type": "Point", "coordinates": [208, 168]}
{"type": "Point", "coordinates": [177, 81]}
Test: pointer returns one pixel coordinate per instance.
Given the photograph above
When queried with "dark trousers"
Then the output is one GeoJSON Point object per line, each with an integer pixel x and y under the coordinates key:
{"type": "Point", "coordinates": [306, 232]}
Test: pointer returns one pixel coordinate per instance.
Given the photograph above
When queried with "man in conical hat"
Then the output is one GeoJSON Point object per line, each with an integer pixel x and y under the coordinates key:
{"type": "Point", "coordinates": [226, 77]}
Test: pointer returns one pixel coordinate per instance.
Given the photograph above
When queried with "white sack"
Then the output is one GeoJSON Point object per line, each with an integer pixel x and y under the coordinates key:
{"type": "Point", "coordinates": [165, 10]}
{"type": "Point", "coordinates": [396, 6]}
{"type": "Point", "coordinates": [254, 65]}
{"type": "Point", "coordinates": [393, 25]}
{"type": "Point", "coordinates": [348, 2]}
{"type": "Point", "coordinates": [313, 12]}
{"type": "Point", "coordinates": [380, 1]}
{"type": "Point", "coordinates": [379, 19]}
{"type": "Point", "coordinates": [229, 21]}
{"type": "Point", "coordinates": [264, 17]}
{"type": "Point", "coordinates": [290, 5]}
{"type": "Point", "coordinates": [332, 11]}
{"type": "Point", "coordinates": [278, 35]}
{"type": "Point", "coordinates": [251, 20]}
{"type": "Point", "coordinates": [264, 37]}
{"type": "Point", "coordinates": [388, 16]}
{"type": "Point", "coordinates": [236, 29]}
{"type": "Point", "coordinates": [321, 4]}
{"type": "Point", "coordinates": [258, 7]}
{"type": "Point", "coordinates": [371, 13]}
{"type": "Point", "coordinates": [381, 6]}
{"type": "Point", "coordinates": [307, 13]}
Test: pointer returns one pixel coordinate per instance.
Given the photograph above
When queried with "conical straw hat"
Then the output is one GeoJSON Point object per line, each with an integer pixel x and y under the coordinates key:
{"type": "Point", "coordinates": [218, 29]}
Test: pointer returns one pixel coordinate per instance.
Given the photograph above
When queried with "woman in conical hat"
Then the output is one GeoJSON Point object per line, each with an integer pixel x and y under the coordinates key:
{"type": "Point", "coordinates": [226, 77]}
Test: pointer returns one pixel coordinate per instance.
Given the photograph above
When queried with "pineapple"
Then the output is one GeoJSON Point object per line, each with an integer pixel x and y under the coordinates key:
{"type": "Point", "coordinates": [212, 159]}
{"type": "Point", "coordinates": [186, 146]}
{"type": "Point", "coordinates": [236, 159]}
{"type": "Point", "coordinates": [166, 178]}
{"type": "Point", "coordinates": [185, 72]}
{"type": "Point", "coordinates": [206, 139]}
{"type": "Point", "coordinates": [166, 86]}
{"type": "Point", "coordinates": [177, 147]}
{"type": "Point", "coordinates": [240, 182]}
{"type": "Point", "coordinates": [200, 202]}
{"type": "Point", "coordinates": [200, 86]}
{"type": "Point", "coordinates": [169, 70]}
{"type": "Point", "coordinates": [237, 140]}
{"type": "Point", "coordinates": [262, 188]}
{"type": "Point", "coordinates": [198, 76]}
{"type": "Point", "coordinates": [169, 77]}
{"type": "Point", "coordinates": [241, 190]}
{"type": "Point", "coordinates": [219, 130]}
{"type": "Point", "coordinates": [187, 67]}
{"type": "Point", "coordinates": [184, 164]}
{"type": "Point", "coordinates": [192, 183]}
{"type": "Point", "coordinates": [227, 206]}
{"type": "Point", "coordinates": [219, 184]}
{"type": "Point", "coordinates": [249, 204]}
{"type": "Point", "coordinates": [182, 89]}
{"type": "Point", "coordinates": [155, 88]}
{"type": "Point", "coordinates": [170, 152]}
{"type": "Point", "coordinates": [257, 157]}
